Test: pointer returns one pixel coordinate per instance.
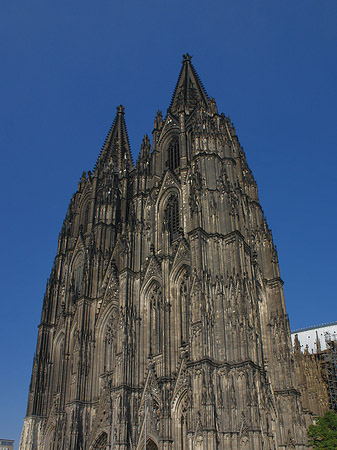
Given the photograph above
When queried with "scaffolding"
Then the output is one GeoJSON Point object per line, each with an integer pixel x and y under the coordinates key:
{"type": "Point", "coordinates": [330, 368]}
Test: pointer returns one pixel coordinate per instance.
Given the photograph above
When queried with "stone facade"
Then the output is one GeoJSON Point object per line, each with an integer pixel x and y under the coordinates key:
{"type": "Point", "coordinates": [164, 319]}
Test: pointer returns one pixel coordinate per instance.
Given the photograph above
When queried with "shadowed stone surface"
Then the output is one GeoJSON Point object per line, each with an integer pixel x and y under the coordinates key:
{"type": "Point", "coordinates": [164, 318]}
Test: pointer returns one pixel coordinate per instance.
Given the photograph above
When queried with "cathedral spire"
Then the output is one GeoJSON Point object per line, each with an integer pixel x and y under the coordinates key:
{"type": "Point", "coordinates": [116, 151]}
{"type": "Point", "coordinates": [189, 91]}
{"type": "Point", "coordinates": [156, 301]}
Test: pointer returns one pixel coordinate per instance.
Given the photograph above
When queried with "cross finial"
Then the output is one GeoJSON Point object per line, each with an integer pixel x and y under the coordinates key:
{"type": "Point", "coordinates": [187, 57]}
{"type": "Point", "coordinates": [120, 109]}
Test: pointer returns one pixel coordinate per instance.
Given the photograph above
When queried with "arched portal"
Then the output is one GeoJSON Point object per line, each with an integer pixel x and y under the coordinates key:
{"type": "Point", "coordinates": [150, 445]}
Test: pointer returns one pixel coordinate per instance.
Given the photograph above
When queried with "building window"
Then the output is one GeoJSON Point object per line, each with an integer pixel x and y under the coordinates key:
{"type": "Point", "coordinates": [173, 154]}
{"type": "Point", "coordinates": [78, 269]}
{"type": "Point", "coordinates": [109, 345]}
{"type": "Point", "coordinates": [171, 217]}
{"type": "Point", "coordinates": [86, 216]}
{"type": "Point", "coordinates": [156, 320]}
{"type": "Point", "coordinates": [183, 306]}
{"type": "Point", "coordinates": [183, 433]}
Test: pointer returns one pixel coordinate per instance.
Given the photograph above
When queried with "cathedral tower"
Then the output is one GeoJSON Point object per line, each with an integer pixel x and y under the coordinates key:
{"type": "Point", "coordinates": [164, 324]}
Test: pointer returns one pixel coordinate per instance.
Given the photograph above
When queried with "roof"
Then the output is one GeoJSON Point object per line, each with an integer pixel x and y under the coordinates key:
{"type": "Point", "coordinates": [323, 325]}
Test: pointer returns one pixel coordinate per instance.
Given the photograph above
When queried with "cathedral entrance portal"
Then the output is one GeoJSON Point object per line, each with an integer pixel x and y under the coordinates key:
{"type": "Point", "coordinates": [150, 445]}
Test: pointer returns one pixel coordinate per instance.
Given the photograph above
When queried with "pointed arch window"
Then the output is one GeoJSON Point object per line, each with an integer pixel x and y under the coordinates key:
{"type": "Point", "coordinates": [182, 422]}
{"type": "Point", "coordinates": [171, 217]}
{"type": "Point", "coordinates": [109, 345]}
{"type": "Point", "coordinates": [77, 275]}
{"type": "Point", "coordinates": [156, 320]}
{"type": "Point", "coordinates": [173, 154]}
{"type": "Point", "coordinates": [183, 445]}
{"type": "Point", "coordinates": [183, 306]}
{"type": "Point", "coordinates": [58, 363]}
{"type": "Point", "coordinates": [86, 216]}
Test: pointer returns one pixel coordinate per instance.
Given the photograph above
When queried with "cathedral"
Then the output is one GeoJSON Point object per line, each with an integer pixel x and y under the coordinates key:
{"type": "Point", "coordinates": [163, 324]}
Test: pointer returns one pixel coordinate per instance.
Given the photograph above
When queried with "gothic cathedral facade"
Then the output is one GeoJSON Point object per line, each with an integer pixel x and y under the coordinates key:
{"type": "Point", "coordinates": [164, 323]}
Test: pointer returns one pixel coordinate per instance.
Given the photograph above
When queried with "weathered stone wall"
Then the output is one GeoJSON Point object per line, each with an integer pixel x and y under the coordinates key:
{"type": "Point", "coordinates": [164, 319]}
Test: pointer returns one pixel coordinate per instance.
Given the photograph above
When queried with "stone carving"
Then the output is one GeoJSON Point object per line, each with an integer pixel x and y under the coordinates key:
{"type": "Point", "coordinates": [166, 287]}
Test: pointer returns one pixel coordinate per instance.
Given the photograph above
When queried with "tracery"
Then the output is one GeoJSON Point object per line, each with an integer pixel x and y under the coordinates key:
{"type": "Point", "coordinates": [171, 217]}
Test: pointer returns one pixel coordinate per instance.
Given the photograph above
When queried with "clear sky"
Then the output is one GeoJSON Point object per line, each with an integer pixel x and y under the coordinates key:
{"type": "Point", "coordinates": [66, 65]}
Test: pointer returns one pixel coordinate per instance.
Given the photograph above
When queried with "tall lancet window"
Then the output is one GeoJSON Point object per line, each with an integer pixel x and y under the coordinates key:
{"type": "Point", "coordinates": [182, 424]}
{"type": "Point", "coordinates": [58, 363]}
{"type": "Point", "coordinates": [183, 306]}
{"type": "Point", "coordinates": [86, 216]}
{"type": "Point", "coordinates": [183, 445]}
{"type": "Point", "coordinates": [171, 217]}
{"type": "Point", "coordinates": [173, 154]}
{"type": "Point", "coordinates": [108, 361]}
{"type": "Point", "coordinates": [76, 277]}
{"type": "Point", "coordinates": [156, 320]}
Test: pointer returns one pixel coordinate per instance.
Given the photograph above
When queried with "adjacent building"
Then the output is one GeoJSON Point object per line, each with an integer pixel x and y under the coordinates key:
{"type": "Point", "coordinates": [6, 444]}
{"type": "Point", "coordinates": [315, 339]}
{"type": "Point", "coordinates": [315, 354]}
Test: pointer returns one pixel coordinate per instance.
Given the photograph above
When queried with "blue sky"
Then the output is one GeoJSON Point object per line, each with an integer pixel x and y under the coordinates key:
{"type": "Point", "coordinates": [66, 65]}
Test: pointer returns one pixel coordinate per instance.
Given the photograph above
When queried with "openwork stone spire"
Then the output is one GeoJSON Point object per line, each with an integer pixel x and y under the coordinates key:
{"type": "Point", "coordinates": [163, 321]}
{"type": "Point", "coordinates": [116, 151]}
{"type": "Point", "coordinates": [189, 91]}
